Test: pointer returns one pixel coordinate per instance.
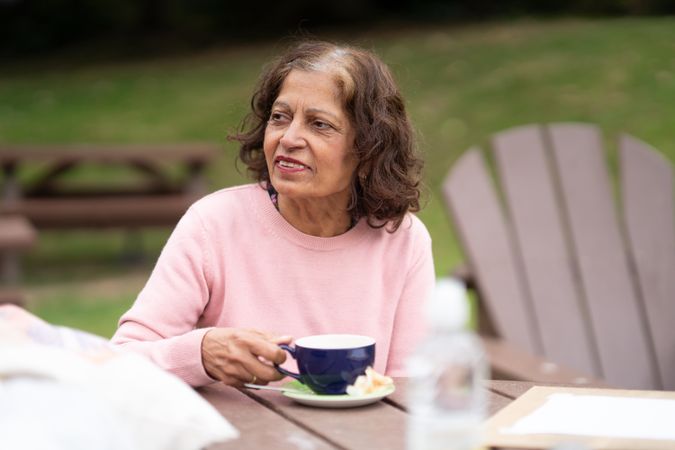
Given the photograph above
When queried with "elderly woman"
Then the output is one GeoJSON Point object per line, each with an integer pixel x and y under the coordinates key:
{"type": "Point", "coordinates": [323, 242]}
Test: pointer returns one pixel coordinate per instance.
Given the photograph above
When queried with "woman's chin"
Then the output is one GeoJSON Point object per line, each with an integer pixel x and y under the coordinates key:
{"type": "Point", "coordinates": [289, 188]}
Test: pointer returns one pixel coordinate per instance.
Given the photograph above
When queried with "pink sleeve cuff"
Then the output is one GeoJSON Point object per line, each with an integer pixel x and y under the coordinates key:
{"type": "Point", "coordinates": [180, 355]}
{"type": "Point", "coordinates": [185, 358]}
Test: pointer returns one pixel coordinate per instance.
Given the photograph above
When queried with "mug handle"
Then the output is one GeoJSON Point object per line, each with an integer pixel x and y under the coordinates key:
{"type": "Point", "coordinates": [291, 351]}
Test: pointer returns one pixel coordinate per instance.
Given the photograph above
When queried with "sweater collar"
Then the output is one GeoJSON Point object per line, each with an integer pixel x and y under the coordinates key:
{"type": "Point", "coordinates": [275, 222]}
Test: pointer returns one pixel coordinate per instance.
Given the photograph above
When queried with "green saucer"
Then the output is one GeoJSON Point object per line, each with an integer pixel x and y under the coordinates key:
{"type": "Point", "coordinates": [304, 395]}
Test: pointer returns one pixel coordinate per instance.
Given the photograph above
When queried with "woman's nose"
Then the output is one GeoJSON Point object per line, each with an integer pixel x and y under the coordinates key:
{"type": "Point", "coordinates": [293, 136]}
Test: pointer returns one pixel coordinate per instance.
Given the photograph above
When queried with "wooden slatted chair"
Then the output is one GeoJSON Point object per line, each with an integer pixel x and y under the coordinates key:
{"type": "Point", "coordinates": [564, 273]}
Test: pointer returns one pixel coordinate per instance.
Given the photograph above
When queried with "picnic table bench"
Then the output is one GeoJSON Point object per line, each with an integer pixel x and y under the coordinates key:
{"type": "Point", "coordinates": [172, 177]}
{"type": "Point", "coordinates": [16, 236]}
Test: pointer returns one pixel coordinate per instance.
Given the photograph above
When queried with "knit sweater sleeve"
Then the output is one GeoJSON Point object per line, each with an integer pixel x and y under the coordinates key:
{"type": "Point", "coordinates": [409, 323]}
{"type": "Point", "coordinates": [162, 322]}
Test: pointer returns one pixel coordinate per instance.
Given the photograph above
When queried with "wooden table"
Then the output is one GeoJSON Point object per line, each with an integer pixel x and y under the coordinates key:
{"type": "Point", "coordinates": [269, 420]}
{"type": "Point", "coordinates": [165, 180]}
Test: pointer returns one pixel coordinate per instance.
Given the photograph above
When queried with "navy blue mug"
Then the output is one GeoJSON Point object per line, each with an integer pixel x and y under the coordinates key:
{"type": "Point", "coordinates": [328, 363]}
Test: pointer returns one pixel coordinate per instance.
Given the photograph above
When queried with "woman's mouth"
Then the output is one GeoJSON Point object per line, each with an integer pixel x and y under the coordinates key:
{"type": "Point", "coordinates": [289, 165]}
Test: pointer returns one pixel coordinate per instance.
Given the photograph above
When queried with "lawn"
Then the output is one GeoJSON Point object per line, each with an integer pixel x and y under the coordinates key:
{"type": "Point", "coordinates": [462, 83]}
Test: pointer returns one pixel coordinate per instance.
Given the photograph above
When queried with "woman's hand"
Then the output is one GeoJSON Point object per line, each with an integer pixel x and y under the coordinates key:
{"type": "Point", "coordinates": [236, 356]}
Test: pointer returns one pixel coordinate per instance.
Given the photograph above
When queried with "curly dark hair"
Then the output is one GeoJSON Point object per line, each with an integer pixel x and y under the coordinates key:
{"type": "Point", "coordinates": [386, 182]}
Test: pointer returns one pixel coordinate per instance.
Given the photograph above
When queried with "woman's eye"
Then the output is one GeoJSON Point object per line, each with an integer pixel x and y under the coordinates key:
{"type": "Point", "coordinates": [275, 116]}
{"type": "Point", "coordinates": [321, 125]}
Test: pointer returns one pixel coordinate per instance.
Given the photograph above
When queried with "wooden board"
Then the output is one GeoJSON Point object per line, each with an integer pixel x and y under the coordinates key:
{"type": "Point", "coordinates": [496, 401]}
{"type": "Point", "coordinates": [199, 152]}
{"type": "Point", "coordinates": [379, 425]}
{"type": "Point", "coordinates": [259, 427]}
{"type": "Point", "coordinates": [486, 238]}
{"type": "Point", "coordinates": [109, 211]}
{"type": "Point", "coordinates": [536, 396]}
{"type": "Point", "coordinates": [649, 212]}
{"type": "Point", "coordinates": [542, 243]}
{"type": "Point", "coordinates": [617, 320]}
{"type": "Point", "coordinates": [16, 233]}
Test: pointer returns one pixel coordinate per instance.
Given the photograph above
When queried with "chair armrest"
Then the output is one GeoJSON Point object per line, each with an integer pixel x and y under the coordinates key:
{"type": "Point", "coordinates": [510, 363]}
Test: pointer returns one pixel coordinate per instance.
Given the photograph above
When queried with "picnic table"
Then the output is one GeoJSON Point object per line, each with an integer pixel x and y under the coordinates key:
{"type": "Point", "coordinates": [171, 178]}
{"type": "Point", "coordinates": [16, 236]}
{"type": "Point", "coordinates": [270, 420]}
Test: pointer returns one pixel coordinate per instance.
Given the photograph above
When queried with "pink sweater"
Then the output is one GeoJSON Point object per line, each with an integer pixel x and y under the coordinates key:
{"type": "Point", "coordinates": [234, 261]}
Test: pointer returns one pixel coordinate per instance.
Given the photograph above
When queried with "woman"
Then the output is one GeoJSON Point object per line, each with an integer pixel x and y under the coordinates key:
{"type": "Point", "coordinates": [324, 242]}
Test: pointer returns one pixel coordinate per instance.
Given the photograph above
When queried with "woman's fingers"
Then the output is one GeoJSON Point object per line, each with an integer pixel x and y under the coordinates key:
{"type": "Point", "coordinates": [259, 357]}
{"type": "Point", "coordinates": [236, 356]}
{"type": "Point", "coordinates": [274, 338]}
{"type": "Point", "coordinates": [269, 351]}
{"type": "Point", "coordinates": [282, 339]}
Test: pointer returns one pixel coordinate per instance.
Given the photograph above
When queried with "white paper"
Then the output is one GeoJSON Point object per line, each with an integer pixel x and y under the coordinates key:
{"type": "Point", "coordinates": [597, 415]}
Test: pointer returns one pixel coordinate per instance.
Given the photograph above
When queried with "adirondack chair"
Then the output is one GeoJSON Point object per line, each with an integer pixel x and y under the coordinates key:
{"type": "Point", "coordinates": [568, 283]}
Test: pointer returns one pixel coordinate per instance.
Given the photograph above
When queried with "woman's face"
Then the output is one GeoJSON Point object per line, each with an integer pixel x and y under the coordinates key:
{"type": "Point", "coordinates": [309, 139]}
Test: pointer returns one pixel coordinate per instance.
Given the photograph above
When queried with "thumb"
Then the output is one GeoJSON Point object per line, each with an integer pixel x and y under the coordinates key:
{"type": "Point", "coordinates": [282, 339]}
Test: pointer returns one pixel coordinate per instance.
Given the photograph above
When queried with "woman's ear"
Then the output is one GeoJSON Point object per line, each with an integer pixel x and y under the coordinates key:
{"type": "Point", "coordinates": [362, 171]}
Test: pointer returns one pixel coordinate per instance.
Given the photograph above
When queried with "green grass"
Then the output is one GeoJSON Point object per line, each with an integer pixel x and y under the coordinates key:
{"type": "Point", "coordinates": [94, 314]}
{"type": "Point", "coordinates": [462, 84]}
{"type": "Point", "coordinates": [92, 300]}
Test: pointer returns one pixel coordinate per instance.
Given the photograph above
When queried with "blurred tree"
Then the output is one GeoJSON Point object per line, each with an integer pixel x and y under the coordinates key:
{"type": "Point", "coordinates": [36, 26]}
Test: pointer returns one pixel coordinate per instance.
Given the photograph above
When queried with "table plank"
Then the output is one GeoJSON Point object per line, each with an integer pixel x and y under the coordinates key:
{"type": "Point", "coordinates": [379, 425]}
{"type": "Point", "coordinates": [514, 389]}
{"type": "Point", "coordinates": [259, 426]}
{"type": "Point", "coordinates": [400, 397]}
{"type": "Point", "coordinates": [269, 420]}
{"type": "Point", "coordinates": [496, 400]}
{"type": "Point", "coordinates": [197, 152]}
{"type": "Point", "coordinates": [511, 389]}
{"type": "Point", "coordinates": [16, 233]}
{"type": "Point", "coordinates": [102, 212]}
